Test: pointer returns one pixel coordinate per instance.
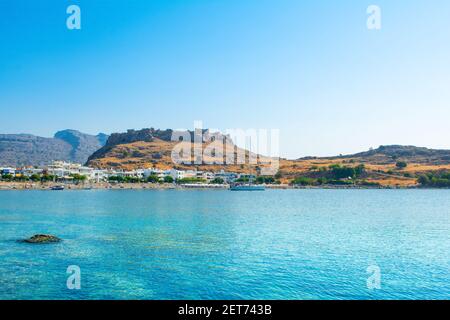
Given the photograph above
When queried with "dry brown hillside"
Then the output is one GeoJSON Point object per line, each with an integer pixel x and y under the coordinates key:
{"type": "Point", "coordinates": [138, 149]}
{"type": "Point", "coordinates": [158, 154]}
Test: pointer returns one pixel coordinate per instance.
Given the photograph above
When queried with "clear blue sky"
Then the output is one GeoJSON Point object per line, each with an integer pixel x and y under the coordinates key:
{"type": "Point", "coordinates": [312, 70]}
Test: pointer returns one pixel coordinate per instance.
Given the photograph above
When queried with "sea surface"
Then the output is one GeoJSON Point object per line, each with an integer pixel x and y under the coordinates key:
{"type": "Point", "coordinates": [277, 244]}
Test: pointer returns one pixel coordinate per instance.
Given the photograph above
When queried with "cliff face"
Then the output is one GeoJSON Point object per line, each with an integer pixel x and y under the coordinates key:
{"type": "Point", "coordinates": [129, 137]}
{"type": "Point", "coordinates": [144, 135]}
{"type": "Point", "coordinates": [68, 145]}
{"type": "Point", "coordinates": [153, 148]}
{"type": "Point", "coordinates": [146, 144]}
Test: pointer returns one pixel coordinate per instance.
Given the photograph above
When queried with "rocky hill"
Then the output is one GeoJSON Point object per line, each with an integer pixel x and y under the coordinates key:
{"type": "Point", "coordinates": [152, 148]}
{"type": "Point", "coordinates": [68, 145]}
{"type": "Point", "coordinates": [392, 153]}
{"type": "Point", "coordinates": [148, 148]}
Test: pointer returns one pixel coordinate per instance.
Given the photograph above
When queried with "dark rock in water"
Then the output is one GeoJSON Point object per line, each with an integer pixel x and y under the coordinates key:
{"type": "Point", "coordinates": [42, 238]}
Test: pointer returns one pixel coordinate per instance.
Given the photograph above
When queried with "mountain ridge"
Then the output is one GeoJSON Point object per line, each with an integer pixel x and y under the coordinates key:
{"type": "Point", "coordinates": [152, 147]}
{"type": "Point", "coordinates": [31, 150]}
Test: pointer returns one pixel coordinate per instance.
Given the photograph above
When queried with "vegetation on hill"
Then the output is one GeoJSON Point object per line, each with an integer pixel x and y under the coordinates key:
{"type": "Point", "coordinates": [394, 152]}
{"type": "Point", "coordinates": [334, 174]}
{"type": "Point", "coordinates": [435, 179]}
{"type": "Point", "coordinates": [401, 164]}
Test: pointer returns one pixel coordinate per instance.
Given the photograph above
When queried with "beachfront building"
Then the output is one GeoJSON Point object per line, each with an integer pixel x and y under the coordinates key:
{"type": "Point", "coordinates": [98, 175]}
{"type": "Point", "coordinates": [177, 174]}
{"type": "Point", "coordinates": [129, 173]}
{"type": "Point", "coordinates": [155, 172]}
{"type": "Point", "coordinates": [68, 171]}
{"type": "Point", "coordinates": [86, 171]}
{"type": "Point", "coordinates": [190, 174]}
{"type": "Point", "coordinates": [30, 171]}
{"type": "Point", "coordinates": [204, 175]}
{"type": "Point", "coordinates": [65, 170]}
{"type": "Point", "coordinates": [62, 169]}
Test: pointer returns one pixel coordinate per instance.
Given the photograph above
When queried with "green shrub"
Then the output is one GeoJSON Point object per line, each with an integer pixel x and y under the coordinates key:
{"type": "Point", "coordinates": [401, 165]}
{"type": "Point", "coordinates": [304, 181]}
{"type": "Point", "coordinates": [191, 180]}
{"type": "Point", "coordinates": [217, 181]}
{"type": "Point", "coordinates": [153, 179]}
{"type": "Point", "coordinates": [435, 180]}
{"type": "Point", "coordinates": [116, 179]}
{"type": "Point", "coordinates": [265, 179]}
{"type": "Point", "coordinates": [168, 179]}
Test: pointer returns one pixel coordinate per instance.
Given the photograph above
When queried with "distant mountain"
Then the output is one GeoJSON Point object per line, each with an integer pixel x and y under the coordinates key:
{"type": "Point", "coordinates": [68, 145]}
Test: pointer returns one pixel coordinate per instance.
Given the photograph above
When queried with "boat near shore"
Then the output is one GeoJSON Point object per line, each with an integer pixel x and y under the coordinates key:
{"type": "Point", "coordinates": [57, 188]}
{"type": "Point", "coordinates": [247, 186]}
{"type": "Point", "coordinates": [202, 186]}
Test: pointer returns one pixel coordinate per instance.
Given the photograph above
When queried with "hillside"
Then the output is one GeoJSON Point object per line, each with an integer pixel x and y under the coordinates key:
{"type": "Point", "coordinates": [152, 148]}
{"type": "Point", "coordinates": [68, 145]}
{"type": "Point", "coordinates": [387, 154]}
{"type": "Point", "coordinates": [380, 164]}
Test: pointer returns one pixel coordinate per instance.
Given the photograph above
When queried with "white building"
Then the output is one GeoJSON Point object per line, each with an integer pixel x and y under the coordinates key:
{"type": "Point", "coordinates": [181, 174]}
{"type": "Point", "coordinates": [129, 174]}
{"type": "Point", "coordinates": [208, 176]}
{"type": "Point", "coordinates": [155, 172]}
{"type": "Point", "coordinates": [176, 174]}
{"type": "Point", "coordinates": [99, 175]}
{"type": "Point", "coordinates": [62, 169]}
{"type": "Point", "coordinates": [28, 172]}
{"type": "Point", "coordinates": [65, 170]}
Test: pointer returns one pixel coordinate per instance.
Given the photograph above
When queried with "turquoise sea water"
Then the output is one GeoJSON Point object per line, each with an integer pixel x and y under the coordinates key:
{"type": "Point", "coordinates": [277, 244]}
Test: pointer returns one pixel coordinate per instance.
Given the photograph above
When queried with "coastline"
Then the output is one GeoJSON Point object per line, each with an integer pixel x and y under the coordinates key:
{"type": "Point", "coordinates": [24, 186]}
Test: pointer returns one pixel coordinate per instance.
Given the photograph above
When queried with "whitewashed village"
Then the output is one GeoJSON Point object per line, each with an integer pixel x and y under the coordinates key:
{"type": "Point", "coordinates": [73, 175]}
